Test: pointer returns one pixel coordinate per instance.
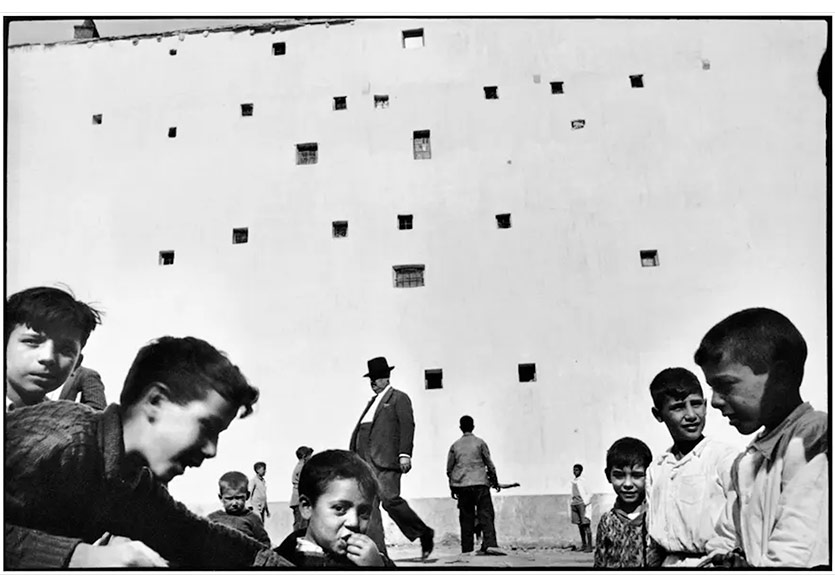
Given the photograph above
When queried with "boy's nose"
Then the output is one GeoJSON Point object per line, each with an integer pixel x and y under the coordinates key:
{"type": "Point", "coordinates": [716, 401]}
{"type": "Point", "coordinates": [46, 355]}
{"type": "Point", "coordinates": [690, 414]}
{"type": "Point", "coordinates": [352, 520]}
{"type": "Point", "coordinates": [209, 449]}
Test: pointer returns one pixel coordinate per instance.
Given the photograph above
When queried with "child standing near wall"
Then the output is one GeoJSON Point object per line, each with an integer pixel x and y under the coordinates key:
{"type": "Point", "coordinates": [581, 507]}
{"type": "Point", "coordinates": [303, 453]}
{"type": "Point", "coordinates": [258, 491]}
{"type": "Point", "coordinates": [233, 494]}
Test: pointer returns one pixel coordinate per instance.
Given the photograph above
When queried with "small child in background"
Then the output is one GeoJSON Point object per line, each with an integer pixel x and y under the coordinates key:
{"type": "Point", "coordinates": [622, 539]}
{"type": "Point", "coordinates": [581, 507]}
{"type": "Point", "coordinates": [303, 453]}
{"type": "Point", "coordinates": [337, 489]}
{"type": "Point", "coordinates": [233, 494]}
{"type": "Point", "coordinates": [258, 491]}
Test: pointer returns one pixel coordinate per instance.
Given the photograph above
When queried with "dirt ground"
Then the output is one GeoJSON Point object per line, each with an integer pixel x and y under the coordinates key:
{"type": "Point", "coordinates": [448, 555]}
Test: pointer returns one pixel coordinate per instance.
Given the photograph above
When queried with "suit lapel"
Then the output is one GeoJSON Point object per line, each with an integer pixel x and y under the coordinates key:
{"type": "Point", "coordinates": [383, 400]}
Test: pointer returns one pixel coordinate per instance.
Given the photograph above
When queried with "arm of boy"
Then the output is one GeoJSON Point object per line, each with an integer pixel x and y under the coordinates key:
{"type": "Point", "coordinates": [363, 552]}
{"type": "Point", "coordinates": [30, 549]}
{"type": "Point", "coordinates": [122, 553]}
{"type": "Point", "coordinates": [492, 475]}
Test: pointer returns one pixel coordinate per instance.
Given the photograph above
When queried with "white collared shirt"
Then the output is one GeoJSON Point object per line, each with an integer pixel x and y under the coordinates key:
{"type": "Point", "coordinates": [369, 415]}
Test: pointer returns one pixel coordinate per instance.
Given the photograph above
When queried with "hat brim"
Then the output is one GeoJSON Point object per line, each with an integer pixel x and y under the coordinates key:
{"type": "Point", "coordinates": [378, 374]}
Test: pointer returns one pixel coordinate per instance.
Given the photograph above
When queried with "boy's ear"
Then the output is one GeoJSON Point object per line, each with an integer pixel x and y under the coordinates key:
{"type": "Point", "coordinates": [153, 397]}
{"type": "Point", "coordinates": [657, 414]}
{"type": "Point", "coordinates": [305, 507]}
{"type": "Point", "coordinates": [78, 362]}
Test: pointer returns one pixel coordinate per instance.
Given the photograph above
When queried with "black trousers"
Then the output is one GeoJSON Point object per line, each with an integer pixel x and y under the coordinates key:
{"type": "Point", "coordinates": [398, 509]}
{"type": "Point", "coordinates": [475, 502]}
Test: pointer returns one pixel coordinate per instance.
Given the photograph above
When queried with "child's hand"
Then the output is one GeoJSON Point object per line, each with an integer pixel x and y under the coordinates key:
{"type": "Point", "coordinates": [121, 553]}
{"type": "Point", "coordinates": [363, 552]}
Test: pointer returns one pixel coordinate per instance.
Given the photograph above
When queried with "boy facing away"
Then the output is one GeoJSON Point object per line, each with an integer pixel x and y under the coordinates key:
{"type": "Point", "coordinates": [337, 489]}
{"type": "Point", "coordinates": [74, 475]}
{"type": "Point", "coordinates": [233, 494]}
{"type": "Point", "coordinates": [45, 330]}
{"type": "Point", "coordinates": [622, 540]}
{"type": "Point", "coordinates": [688, 484]}
{"type": "Point", "coordinates": [777, 513]}
{"type": "Point", "coordinates": [303, 453]}
{"type": "Point", "coordinates": [580, 507]}
{"type": "Point", "coordinates": [258, 491]}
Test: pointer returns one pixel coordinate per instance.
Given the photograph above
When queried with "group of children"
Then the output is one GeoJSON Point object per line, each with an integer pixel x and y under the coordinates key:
{"type": "Point", "coordinates": [87, 488]}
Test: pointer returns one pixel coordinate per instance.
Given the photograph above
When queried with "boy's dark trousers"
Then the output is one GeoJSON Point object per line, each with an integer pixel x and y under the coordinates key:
{"type": "Point", "coordinates": [475, 501]}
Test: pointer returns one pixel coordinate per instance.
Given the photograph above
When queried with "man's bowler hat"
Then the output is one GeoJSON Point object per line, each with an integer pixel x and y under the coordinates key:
{"type": "Point", "coordinates": [378, 368]}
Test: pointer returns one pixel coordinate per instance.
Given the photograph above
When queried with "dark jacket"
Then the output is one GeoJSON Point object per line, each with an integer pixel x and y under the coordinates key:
{"type": "Point", "coordinates": [287, 550]}
{"type": "Point", "coordinates": [68, 481]}
{"type": "Point", "coordinates": [248, 523]}
{"type": "Point", "coordinates": [392, 430]}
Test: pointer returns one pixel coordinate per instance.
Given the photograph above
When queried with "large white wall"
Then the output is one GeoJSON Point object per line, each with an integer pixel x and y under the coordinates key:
{"type": "Point", "coordinates": [722, 170]}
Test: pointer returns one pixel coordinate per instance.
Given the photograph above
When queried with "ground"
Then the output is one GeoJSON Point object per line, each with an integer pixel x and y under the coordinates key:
{"type": "Point", "coordinates": [447, 554]}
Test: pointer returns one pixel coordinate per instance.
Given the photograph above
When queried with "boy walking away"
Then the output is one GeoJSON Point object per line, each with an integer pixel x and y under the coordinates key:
{"type": "Point", "coordinates": [337, 490]}
{"type": "Point", "coordinates": [471, 473]}
{"type": "Point", "coordinates": [73, 475]}
{"type": "Point", "coordinates": [233, 495]}
{"type": "Point", "coordinates": [688, 484]}
{"type": "Point", "coordinates": [258, 491]}
{"type": "Point", "coordinates": [622, 540]}
{"type": "Point", "coordinates": [45, 330]}
{"type": "Point", "coordinates": [777, 513]}
{"type": "Point", "coordinates": [303, 453]}
{"type": "Point", "coordinates": [581, 507]}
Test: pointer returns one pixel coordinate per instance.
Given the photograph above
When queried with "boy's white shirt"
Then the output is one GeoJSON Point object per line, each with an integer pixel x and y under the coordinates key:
{"type": "Point", "coordinates": [686, 497]}
{"type": "Point", "coordinates": [578, 487]}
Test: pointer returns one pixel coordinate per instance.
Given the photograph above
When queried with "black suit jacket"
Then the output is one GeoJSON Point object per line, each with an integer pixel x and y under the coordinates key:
{"type": "Point", "coordinates": [392, 430]}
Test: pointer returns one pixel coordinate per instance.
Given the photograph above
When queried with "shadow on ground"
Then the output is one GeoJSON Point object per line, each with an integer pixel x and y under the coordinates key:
{"type": "Point", "coordinates": [448, 555]}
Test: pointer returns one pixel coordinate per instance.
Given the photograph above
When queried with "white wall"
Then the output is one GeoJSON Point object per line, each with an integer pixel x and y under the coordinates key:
{"type": "Point", "coordinates": [721, 170]}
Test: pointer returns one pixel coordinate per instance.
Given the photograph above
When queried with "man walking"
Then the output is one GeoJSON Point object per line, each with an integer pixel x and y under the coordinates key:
{"type": "Point", "coordinates": [383, 437]}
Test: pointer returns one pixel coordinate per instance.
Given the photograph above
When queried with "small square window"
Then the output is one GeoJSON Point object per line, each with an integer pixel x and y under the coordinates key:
{"type": "Point", "coordinates": [240, 235]}
{"type": "Point", "coordinates": [578, 124]}
{"type": "Point", "coordinates": [420, 140]}
{"type": "Point", "coordinates": [96, 119]}
{"type": "Point", "coordinates": [503, 221]}
{"type": "Point", "coordinates": [166, 257]}
{"type": "Point", "coordinates": [408, 276]}
{"type": "Point", "coordinates": [413, 39]}
{"type": "Point", "coordinates": [172, 52]}
{"type": "Point", "coordinates": [172, 132]}
{"type": "Point", "coordinates": [279, 48]}
{"type": "Point", "coordinates": [491, 92]}
{"type": "Point", "coordinates": [340, 103]}
{"type": "Point", "coordinates": [636, 80]}
{"type": "Point", "coordinates": [649, 258]}
{"type": "Point", "coordinates": [404, 222]}
{"type": "Point", "coordinates": [340, 229]}
{"type": "Point", "coordinates": [527, 373]}
{"type": "Point", "coordinates": [557, 87]}
{"type": "Point", "coordinates": [433, 378]}
{"type": "Point", "coordinates": [246, 109]}
{"type": "Point", "coordinates": [381, 102]}
{"type": "Point", "coordinates": [307, 153]}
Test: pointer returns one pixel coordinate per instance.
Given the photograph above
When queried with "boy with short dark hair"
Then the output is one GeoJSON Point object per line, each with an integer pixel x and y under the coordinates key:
{"type": "Point", "coordinates": [777, 513]}
{"type": "Point", "coordinates": [337, 489]}
{"type": "Point", "coordinates": [73, 474]}
{"type": "Point", "coordinates": [687, 485]}
{"type": "Point", "coordinates": [580, 508]}
{"type": "Point", "coordinates": [45, 330]}
{"type": "Point", "coordinates": [233, 493]}
{"type": "Point", "coordinates": [303, 453]}
{"type": "Point", "coordinates": [258, 491]}
{"type": "Point", "coordinates": [622, 540]}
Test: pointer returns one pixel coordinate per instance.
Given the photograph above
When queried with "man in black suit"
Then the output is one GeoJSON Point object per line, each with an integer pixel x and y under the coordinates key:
{"type": "Point", "coordinates": [383, 438]}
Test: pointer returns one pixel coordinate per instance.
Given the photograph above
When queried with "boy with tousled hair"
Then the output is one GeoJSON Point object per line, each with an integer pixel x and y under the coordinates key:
{"type": "Point", "coordinates": [337, 489]}
{"type": "Point", "coordinates": [777, 513]}
{"type": "Point", "coordinates": [303, 453]}
{"type": "Point", "coordinates": [44, 331]}
{"type": "Point", "coordinates": [74, 475]}
{"type": "Point", "coordinates": [233, 493]}
{"type": "Point", "coordinates": [688, 484]}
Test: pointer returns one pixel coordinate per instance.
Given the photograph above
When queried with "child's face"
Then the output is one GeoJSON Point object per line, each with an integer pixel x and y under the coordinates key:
{"type": "Point", "coordinates": [260, 471]}
{"type": "Point", "coordinates": [340, 512]}
{"type": "Point", "coordinates": [629, 483]}
{"type": "Point", "coordinates": [738, 393]}
{"type": "Point", "coordinates": [234, 499]}
{"type": "Point", "coordinates": [683, 416]}
{"type": "Point", "coordinates": [577, 471]}
{"type": "Point", "coordinates": [184, 435]}
{"type": "Point", "coordinates": [38, 363]}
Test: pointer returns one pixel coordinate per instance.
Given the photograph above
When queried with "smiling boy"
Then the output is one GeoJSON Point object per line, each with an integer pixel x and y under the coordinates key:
{"type": "Point", "coordinates": [777, 513]}
{"type": "Point", "coordinates": [687, 485]}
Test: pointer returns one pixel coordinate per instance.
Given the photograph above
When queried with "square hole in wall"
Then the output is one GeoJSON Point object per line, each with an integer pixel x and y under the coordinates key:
{"type": "Point", "coordinates": [307, 153]}
{"type": "Point", "coordinates": [381, 102]}
{"type": "Point", "coordinates": [578, 124]}
{"type": "Point", "coordinates": [166, 257]}
{"type": "Point", "coordinates": [420, 141]}
{"type": "Point", "coordinates": [340, 102]}
{"type": "Point", "coordinates": [413, 38]}
{"type": "Point", "coordinates": [172, 132]}
{"type": "Point", "coordinates": [246, 109]}
{"type": "Point", "coordinates": [96, 119]}
{"type": "Point", "coordinates": [340, 229]}
{"type": "Point", "coordinates": [279, 48]}
{"type": "Point", "coordinates": [527, 373]}
{"type": "Point", "coordinates": [491, 92]}
{"type": "Point", "coordinates": [240, 235]}
{"type": "Point", "coordinates": [557, 87]}
{"type": "Point", "coordinates": [404, 222]}
{"type": "Point", "coordinates": [433, 378]}
{"type": "Point", "coordinates": [172, 52]}
{"type": "Point", "coordinates": [503, 221]}
{"type": "Point", "coordinates": [408, 276]}
{"type": "Point", "coordinates": [649, 258]}
{"type": "Point", "coordinates": [636, 80]}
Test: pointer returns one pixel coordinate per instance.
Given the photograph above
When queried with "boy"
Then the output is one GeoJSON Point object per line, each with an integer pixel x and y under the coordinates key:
{"type": "Point", "coordinates": [303, 453]}
{"type": "Point", "coordinates": [688, 484]}
{"type": "Point", "coordinates": [337, 489]}
{"type": "Point", "coordinates": [45, 330]}
{"type": "Point", "coordinates": [73, 474]}
{"type": "Point", "coordinates": [581, 508]}
{"type": "Point", "coordinates": [258, 491]}
{"type": "Point", "coordinates": [233, 487]}
{"type": "Point", "coordinates": [777, 513]}
{"type": "Point", "coordinates": [622, 540]}
{"type": "Point", "coordinates": [471, 473]}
